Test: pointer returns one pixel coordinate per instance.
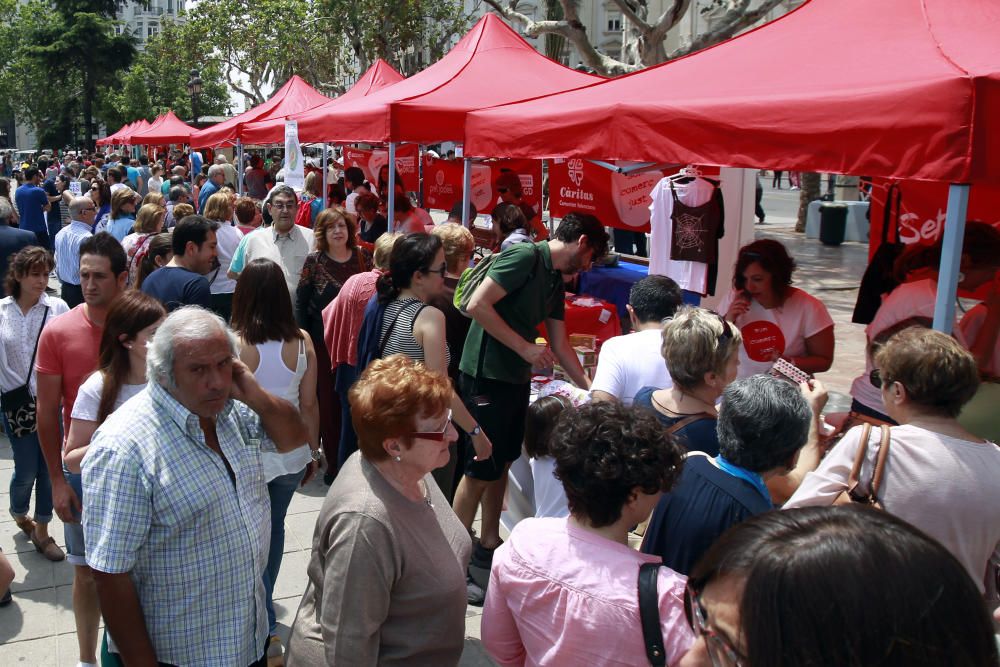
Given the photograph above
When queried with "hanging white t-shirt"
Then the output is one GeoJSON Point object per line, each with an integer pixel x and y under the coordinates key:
{"type": "Point", "coordinates": [691, 276]}
{"type": "Point", "coordinates": [914, 299]}
{"type": "Point", "coordinates": [782, 329]}
{"type": "Point", "coordinates": [971, 324]}
{"type": "Point", "coordinates": [630, 362]}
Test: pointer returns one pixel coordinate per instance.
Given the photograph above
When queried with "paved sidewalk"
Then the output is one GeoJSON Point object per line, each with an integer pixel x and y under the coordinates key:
{"type": "Point", "coordinates": [37, 629]}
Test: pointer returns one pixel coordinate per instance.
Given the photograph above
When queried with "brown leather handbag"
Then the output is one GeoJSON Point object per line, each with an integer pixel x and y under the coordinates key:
{"type": "Point", "coordinates": [852, 494]}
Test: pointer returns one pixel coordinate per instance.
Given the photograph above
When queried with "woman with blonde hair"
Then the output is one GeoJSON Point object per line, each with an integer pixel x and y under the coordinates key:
{"type": "Point", "coordinates": [148, 223]}
{"type": "Point", "coordinates": [155, 198]}
{"type": "Point", "coordinates": [701, 350]}
{"type": "Point", "coordinates": [219, 207]}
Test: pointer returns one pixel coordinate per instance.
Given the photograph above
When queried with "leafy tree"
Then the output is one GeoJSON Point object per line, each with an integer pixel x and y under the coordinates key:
{"type": "Point", "coordinates": [259, 43]}
{"type": "Point", "coordinates": [157, 81]}
{"type": "Point", "coordinates": [644, 44]}
{"type": "Point", "coordinates": [56, 61]}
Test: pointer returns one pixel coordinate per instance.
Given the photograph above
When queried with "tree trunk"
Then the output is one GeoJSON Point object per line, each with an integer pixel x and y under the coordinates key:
{"type": "Point", "coordinates": [809, 183]}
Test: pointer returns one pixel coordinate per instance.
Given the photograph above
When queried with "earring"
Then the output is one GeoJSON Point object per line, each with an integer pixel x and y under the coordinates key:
{"type": "Point", "coordinates": [398, 459]}
{"type": "Point", "coordinates": [961, 277]}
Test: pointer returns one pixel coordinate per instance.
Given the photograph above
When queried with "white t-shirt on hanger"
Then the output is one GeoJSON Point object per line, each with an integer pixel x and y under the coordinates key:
{"type": "Point", "coordinates": [691, 276]}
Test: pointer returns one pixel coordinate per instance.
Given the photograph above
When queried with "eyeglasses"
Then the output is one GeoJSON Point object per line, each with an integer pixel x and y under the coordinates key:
{"type": "Point", "coordinates": [875, 377]}
{"type": "Point", "coordinates": [437, 436]}
{"type": "Point", "coordinates": [720, 651]}
{"type": "Point", "coordinates": [441, 270]}
{"type": "Point", "coordinates": [727, 332]}
{"type": "Point", "coordinates": [88, 210]}
{"type": "Point", "coordinates": [283, 207]}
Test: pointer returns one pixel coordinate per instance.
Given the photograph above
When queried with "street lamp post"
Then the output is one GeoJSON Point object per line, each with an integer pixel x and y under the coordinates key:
{"type": "Point", "coordinates": [194, 90]}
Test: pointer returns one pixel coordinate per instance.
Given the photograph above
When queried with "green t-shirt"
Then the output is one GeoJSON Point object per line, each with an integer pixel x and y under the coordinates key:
{"type": "Point", "coordinates": [534, 294]}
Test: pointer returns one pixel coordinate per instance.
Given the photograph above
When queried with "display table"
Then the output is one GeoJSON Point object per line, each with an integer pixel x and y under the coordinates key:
{"type": "Point", "coordinates": [589, 315]}
{"type": "Point", "coordinates": [613, 283]}
{"type": "Point", "coordinates": [857, 220]}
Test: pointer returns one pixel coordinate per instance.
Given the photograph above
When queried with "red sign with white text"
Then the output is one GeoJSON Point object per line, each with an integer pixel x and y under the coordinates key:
{"type": "Point", "coordinates": [443, 182]}
{"type": "Point", "coordinates": [922, 210]}
{"type": "Point", "coordinates": [618, 200]}
{"type": "Point", "coordinates": [371, 161]}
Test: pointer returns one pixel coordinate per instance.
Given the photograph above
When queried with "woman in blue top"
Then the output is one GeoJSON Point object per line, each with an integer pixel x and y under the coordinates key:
{"type": "Point", "coordinates": [123, 203]}
{"type": "Point", "coordinates": [100, 192]}
{"type": "Point", "coordinates": [701, 350]}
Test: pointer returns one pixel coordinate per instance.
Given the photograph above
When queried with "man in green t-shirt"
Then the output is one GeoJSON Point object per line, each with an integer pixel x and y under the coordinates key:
{"type": "Point", "coordinates": [523, 288]}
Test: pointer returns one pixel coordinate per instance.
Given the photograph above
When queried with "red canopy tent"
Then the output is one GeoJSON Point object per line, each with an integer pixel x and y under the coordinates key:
{"type": "Point", "coordinates": [110, 139]}
{"type": "Point", "coordinates": [293, 97]}
{"type": "Point", "coordinates": [490, 65]}
{"type": "Point", "coordinates": [140, 125]}
{"type": "Point", "coordinates": [895, 88]}
{"type": "Point", "coordinates": [169, 130]}
{"type": "Point", "coordinates": [378, 76]}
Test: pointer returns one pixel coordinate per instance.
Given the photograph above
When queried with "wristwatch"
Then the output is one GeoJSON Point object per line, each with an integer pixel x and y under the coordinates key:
{"type": "Point", "coordinates": [317, 454]}
{"type": "Point", "coordinates": [476, 430]}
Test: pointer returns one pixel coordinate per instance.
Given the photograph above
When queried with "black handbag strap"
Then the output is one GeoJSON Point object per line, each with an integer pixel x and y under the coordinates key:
{"type": "Point", "coordinates": [893, 200]}
{"type": "Point", "coordinates": [31, 365]}
{"type": "Point", "coordinates": [649, 614]}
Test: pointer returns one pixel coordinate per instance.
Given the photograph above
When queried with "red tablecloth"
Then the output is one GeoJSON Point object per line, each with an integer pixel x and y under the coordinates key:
{"type": "Point", "coordinates": [589, 315]}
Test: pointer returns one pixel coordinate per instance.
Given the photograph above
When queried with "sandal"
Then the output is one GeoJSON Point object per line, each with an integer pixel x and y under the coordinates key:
{"type": "Point", "coordinates": [48, 548]}
{"type": "Point", "coordinates": [26, 524]}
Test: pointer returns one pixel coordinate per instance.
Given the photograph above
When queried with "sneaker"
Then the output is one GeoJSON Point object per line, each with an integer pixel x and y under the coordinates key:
{"type": "Point", "coordinates": [474, 593]}
{"type": "Point", "coordinates": [275, 652]}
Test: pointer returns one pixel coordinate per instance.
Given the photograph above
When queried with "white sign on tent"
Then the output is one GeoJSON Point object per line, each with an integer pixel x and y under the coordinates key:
{"type": "Point", "coordinates": [294, 162]}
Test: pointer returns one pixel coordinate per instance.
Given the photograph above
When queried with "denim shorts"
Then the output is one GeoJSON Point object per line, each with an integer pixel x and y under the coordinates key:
{"type": "Point", "coordinates": [76, 551]}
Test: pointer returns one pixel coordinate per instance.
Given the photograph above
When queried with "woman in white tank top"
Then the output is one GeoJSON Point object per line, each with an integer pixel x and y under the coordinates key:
{"type": "Point", "coordinates": [283, 360]}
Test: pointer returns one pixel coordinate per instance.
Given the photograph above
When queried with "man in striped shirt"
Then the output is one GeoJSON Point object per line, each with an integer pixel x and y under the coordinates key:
{"type": "Point", "coordinates": [82, 213]}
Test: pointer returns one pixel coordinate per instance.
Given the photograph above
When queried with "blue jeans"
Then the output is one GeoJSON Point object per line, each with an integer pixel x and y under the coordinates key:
{"type": "Point", "coordinates": [29, 471]}
{"type": "Point", "coordinates": [280, 490]}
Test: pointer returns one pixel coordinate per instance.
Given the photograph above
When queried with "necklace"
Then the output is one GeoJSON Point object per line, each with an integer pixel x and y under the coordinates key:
{"type": "Point", "coordinates": [674, 412]}
{"type": "Point", "coordinates": [427, 494]}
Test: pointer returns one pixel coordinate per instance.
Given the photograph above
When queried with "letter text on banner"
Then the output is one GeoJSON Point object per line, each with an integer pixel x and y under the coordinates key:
{"type": "Point", "coordinates": [443, 182]}
{"type": "Point", "coordinates": [294, 163]}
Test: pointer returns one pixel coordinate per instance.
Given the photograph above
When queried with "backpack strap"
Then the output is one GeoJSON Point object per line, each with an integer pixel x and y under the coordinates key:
{"type": "Point", "coordinates": [690, 419]}
{"type": "Point", "coordinates": [649, 614]}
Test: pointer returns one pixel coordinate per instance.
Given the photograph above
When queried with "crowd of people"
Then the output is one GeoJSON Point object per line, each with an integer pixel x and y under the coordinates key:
{"type": "Point", "coordinates": [208, 354]}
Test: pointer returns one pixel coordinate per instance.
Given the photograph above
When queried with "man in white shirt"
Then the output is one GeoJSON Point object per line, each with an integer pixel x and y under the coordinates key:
{"type": "Point", "coordinates": [633, 361]}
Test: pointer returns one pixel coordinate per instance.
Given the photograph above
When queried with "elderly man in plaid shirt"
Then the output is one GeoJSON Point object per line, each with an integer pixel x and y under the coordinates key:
{"type": "Point", "coordinates": [176, 516]}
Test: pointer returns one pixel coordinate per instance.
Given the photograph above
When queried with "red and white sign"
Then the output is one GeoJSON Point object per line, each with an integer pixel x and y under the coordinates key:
{"type": "Point", "coordinates": [922, 210]}
{"type": "Point", "coordinates": [443, 182]}
{"type": "Point", "coordinates": [762, 339]}
{"type": "Point", "coordinates": [618, 200]}
{"type": "Point", "coordinates": [371, 161]}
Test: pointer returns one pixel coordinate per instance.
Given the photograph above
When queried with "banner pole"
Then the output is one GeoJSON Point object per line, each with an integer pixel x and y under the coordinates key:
{"type": "Point", "coordinates": [466, 190]}
{"type": "Point", "coordinates": [951, 257]}
{"type": "Point", "coordinates": [391, 196]}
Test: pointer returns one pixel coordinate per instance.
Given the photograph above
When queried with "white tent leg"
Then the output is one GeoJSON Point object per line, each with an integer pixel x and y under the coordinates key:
{"type": "Point", "coordinates": [239, 167]}
{"type": "Point", "coordinates": [390, 212]}
{"type": "Point", "coordinates": [951, 257]}
{"type": "Point", "coordinates": [466, 190]}
{"type": "Point", "coordinates": [325, 188]}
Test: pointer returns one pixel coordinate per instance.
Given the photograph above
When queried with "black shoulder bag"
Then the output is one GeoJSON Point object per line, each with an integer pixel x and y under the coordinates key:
{"type": "Point", "coordinates": [649, 614]}
{"type": "Point", "coordinates": [18, 404]}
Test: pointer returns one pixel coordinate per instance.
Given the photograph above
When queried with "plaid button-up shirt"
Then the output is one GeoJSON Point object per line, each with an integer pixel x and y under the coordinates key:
{"type": "Point", "coordinates": [160, 505]}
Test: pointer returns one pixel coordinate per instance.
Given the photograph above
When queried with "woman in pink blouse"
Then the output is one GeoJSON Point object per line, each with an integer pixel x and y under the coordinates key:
{"type": "Point", "coordinates": [564, 591]}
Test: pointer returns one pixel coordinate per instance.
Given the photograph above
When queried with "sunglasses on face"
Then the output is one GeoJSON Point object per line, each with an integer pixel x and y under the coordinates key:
{"type": "Point", "coordinates": [720, 651]}
{"type": "Point", "coordinates": [727, 332]}
{"type": "Point", "coordinates": [437, 436]}
{"type": "Point", "coordinates": [441, 270]}
{"type": "Point", "coordinates": [875, 377]}
{"type": "Point", "coordinates": [502, 191]}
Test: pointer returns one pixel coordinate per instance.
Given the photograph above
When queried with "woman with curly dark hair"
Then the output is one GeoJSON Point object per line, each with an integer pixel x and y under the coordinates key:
{"type": "Point", "coordinates": [564, 590]}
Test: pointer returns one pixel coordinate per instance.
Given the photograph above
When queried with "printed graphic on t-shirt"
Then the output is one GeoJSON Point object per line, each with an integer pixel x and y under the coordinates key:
{"type": "Point", "coordinates": [761, 339]}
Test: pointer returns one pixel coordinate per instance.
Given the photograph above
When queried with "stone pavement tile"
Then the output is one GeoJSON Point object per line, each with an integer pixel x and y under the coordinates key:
{"type": "Point", "coordinates": [299, 530]}
{"type": "Point", "coordinates": [309, 498]}
{"type": "Point", "coordinates": [67, 649]}
{"type": "Point", "coordinates": [43, 612]}
{"type": "Point", "coordinates": [33, 571]}
{"type": "Point", "coordinates": [292, 577]}
{"type": "Point", "coordinates": [31, 653]}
